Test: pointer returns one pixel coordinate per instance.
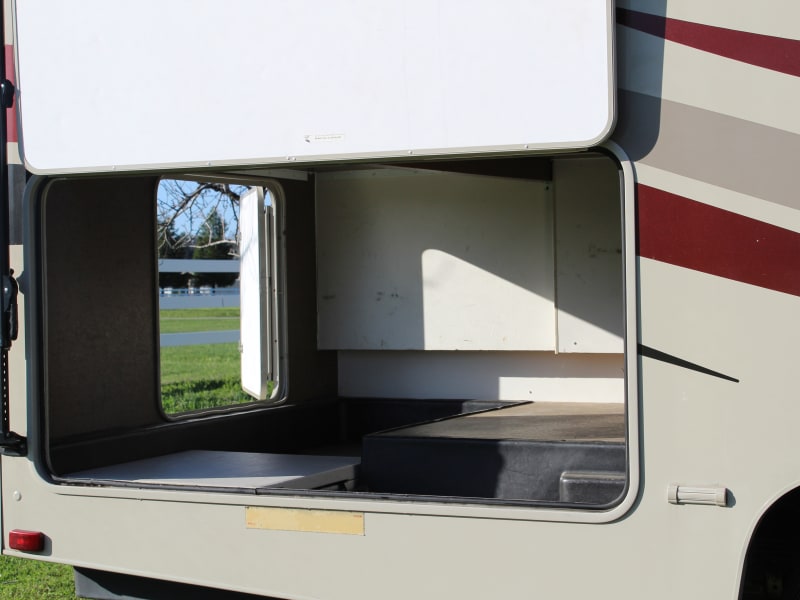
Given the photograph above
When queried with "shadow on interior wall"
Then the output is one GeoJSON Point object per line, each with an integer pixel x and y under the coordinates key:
{"type": "Point", "coordinates": [392, 239]}
{"type": "Point", "coordinates": [455, 262]}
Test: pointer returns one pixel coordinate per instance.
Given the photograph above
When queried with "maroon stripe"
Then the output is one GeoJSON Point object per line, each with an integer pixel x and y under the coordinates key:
{"type": "Point", "coordinates": [686, 233]}
{"type": "Point", "coordinates": [11, 113]}
{"type": "Point", "coordinates": [769, 52]}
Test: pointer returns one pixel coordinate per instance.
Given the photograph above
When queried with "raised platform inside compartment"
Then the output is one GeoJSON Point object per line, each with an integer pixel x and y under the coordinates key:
{"type": "Point", "coordinates": [550, 452]}
{"type": "Point", "coordinates": [229, 470]}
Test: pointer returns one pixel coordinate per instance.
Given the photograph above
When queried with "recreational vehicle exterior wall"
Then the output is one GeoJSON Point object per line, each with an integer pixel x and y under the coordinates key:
{"type": "Point", "coordinates": [526, 294]}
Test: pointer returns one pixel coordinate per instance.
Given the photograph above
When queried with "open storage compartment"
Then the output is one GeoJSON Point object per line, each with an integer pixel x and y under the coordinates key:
{"type": "Point", "coordinates": [452, 330]}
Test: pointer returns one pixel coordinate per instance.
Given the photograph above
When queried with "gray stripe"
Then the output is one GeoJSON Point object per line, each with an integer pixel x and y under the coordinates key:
{"type": "Point", "coordinates": [731, 153]}
{"type": "Point", "coordinates": [200, 337]}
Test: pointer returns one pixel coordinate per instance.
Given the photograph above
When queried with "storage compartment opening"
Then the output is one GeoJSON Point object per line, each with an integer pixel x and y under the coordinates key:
{"type": "Point", "coordinates": [453, 330]}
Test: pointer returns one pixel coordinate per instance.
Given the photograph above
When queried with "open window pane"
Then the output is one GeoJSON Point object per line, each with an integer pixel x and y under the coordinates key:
{"type": "Point", "coordinates": [200, 296]}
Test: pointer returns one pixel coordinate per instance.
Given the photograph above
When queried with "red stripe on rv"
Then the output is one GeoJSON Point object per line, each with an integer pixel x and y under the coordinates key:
{"type": "Point", "coordinates": [687, 233]}
{"type": "Point", "coordinates": [769, 52]}
{"type": "Point", "coordinates": [11, 113]}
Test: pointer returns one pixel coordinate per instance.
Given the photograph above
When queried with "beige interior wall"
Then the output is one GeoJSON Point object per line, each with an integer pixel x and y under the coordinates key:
{"type": "Point", "coordinates": [468, 286]}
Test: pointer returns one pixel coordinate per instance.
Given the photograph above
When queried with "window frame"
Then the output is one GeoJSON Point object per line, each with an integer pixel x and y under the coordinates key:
{"type": "Point", "coordinates": [275, 221]}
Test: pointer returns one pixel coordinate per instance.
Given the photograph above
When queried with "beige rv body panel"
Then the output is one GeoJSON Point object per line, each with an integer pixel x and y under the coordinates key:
{"type": "Point", "coordinates": [691, 123]}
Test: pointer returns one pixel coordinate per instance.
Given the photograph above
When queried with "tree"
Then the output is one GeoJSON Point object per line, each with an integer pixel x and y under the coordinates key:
{"type": "Point", "coordinates": [197, 220]}
{"type": "Point", "coordinates": [210, 243]}
{"type": "Point", "coordinates": [186, 206]}
{"type": "Point", "coordinates": [169, 246]}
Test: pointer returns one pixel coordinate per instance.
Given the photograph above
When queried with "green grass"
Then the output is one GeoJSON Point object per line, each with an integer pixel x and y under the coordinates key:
{"type": "Point", "coordinates": [205, 376]}
{"type": "Point", "coordinates": [192, 313]}
{"type": "Point", "coordinates": [200, 377]}
{"type": "Point", "coordinates": [199, 319]}
{"type": "Point", "coordinates": [180, 364]}
{"type": "Point", "coordinates": [22, 579]}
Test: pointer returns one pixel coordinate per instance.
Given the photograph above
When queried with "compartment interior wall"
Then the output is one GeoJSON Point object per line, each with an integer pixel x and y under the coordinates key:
{"type": "Point", "coordinates": [312, 372]}
{"type": "Point", "coordinates": [99, 373]}
{"type": "Point", "coordinates": [506, 376]}
{"type": "Point", "coordinates": [100, 361]}
{"type": "Point", "coordinates": [474, 286]}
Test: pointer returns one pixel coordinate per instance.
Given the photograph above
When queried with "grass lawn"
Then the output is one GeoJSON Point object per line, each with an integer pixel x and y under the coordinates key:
{"type": "Point", "coordinates": [199, 319]}
{"type": "Point", "coordinates": [204, 376]}
{"type": "Point", "coordinates": [22, 579]}
{"type": "Point", "coordinates": [198, 377]}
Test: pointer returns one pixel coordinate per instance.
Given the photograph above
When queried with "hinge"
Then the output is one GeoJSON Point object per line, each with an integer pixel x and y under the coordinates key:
{"type": "Point", "coordinates": [11, 444]}
{"type": "Point", "coordinates": [9, 328]}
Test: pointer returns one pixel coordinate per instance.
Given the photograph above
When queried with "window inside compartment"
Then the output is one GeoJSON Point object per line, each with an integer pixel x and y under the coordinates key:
{"type": "Point", "coordinates": [203, 349]}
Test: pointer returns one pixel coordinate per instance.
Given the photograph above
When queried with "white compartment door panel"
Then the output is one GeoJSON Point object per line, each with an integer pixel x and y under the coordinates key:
{"type": "Point", "coordinates": [143, 84]}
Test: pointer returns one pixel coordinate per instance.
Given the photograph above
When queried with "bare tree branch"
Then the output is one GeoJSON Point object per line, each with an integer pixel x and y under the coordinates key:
{"type": "Point", "coordinates": [185, 207]}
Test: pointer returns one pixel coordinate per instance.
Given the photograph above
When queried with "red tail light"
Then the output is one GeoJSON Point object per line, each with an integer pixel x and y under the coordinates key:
{"type": "Point", "coordinates": [26, 541]}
